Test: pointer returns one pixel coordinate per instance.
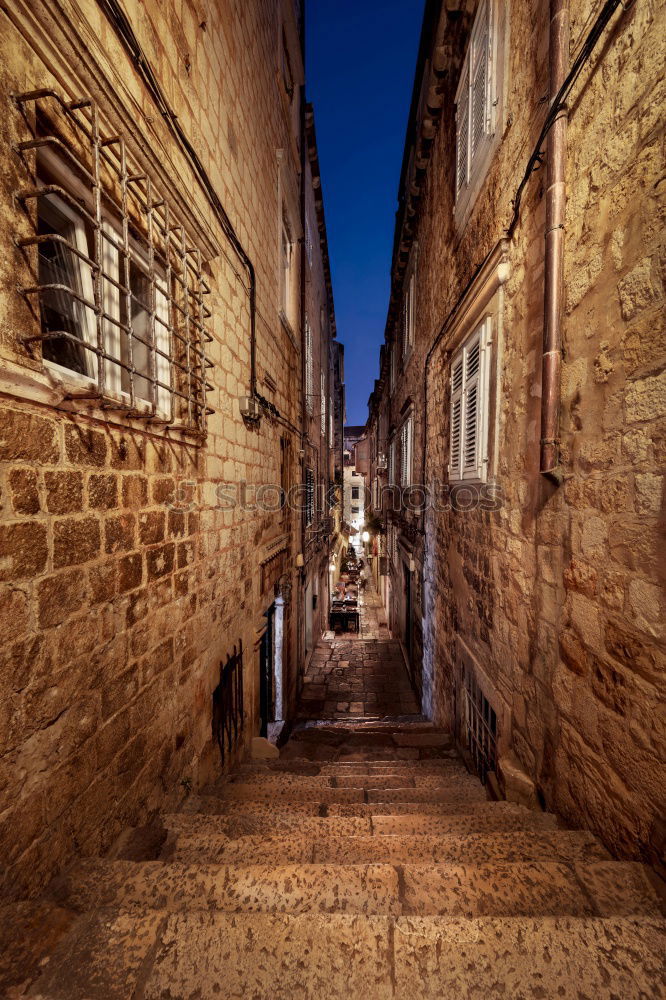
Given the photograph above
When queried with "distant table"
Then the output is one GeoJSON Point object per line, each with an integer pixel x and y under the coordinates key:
{"type": "Point", "coordinates": [344, 618]}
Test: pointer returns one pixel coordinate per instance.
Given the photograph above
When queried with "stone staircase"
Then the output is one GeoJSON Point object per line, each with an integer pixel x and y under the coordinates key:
{"type": "Point", "coordinates": [365, 863]}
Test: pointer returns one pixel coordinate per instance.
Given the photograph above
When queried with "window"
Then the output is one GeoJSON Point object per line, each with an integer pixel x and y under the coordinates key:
{"type": "Point", "coordinates": [287, 75]}
{"type": "Point", "coordinates": [309, 497]}
{"type": "Point", "coordinates": [286, 256]}
{"type": "Point", "coordinates": [309, 369]}
{"type": "Point", "coordinates": [392, 350]}
{"type": "Point", "coordinates": [356, 492]}
{"type": "Point", "coordinates": [391, 468]}
{"type": "Point", "coordinates": [477, 104]}
{"type": "Point", "coordinates": [308, 238]}
{"type": "Point", "coordinates": [322, 396]}
{"type": "Point", "coordinates": [406, 453]}
{"type": "Point", "coordinates": [355, 510]}
{"type": "Point", "coordinates": [142, 352]}
{"type": "Point", "coordinates": [132, 312]}
{"type": "Point", "coordinates": [470, 371]}
{"type": "Point", "coordinates": [67, 323]}
{"type": "Point", "coordinates": [408, 318]}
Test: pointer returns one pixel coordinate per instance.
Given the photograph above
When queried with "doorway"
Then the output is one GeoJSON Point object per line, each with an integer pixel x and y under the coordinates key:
{"type": "Point", "coordinates": [407, 624]}
{"type": "Point", "coordinates": [266, 651]}
{"type": "Point", "coordinates": [308, 620]}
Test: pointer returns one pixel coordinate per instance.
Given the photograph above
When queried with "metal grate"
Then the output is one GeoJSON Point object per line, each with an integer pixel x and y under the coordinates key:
{"type": "Point", "coordinates": [228, 716]}
{"type": "Point", "coordinates": [139, 279]}
{"type": "Point", "coordinates": [480, 727]}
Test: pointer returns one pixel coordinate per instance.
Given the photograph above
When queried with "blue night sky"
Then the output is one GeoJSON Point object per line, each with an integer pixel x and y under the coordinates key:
{"type": "Point", "coordinates": [361, 57]}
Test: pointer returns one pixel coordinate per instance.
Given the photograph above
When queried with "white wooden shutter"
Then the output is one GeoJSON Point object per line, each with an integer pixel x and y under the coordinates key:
{"type": "Point", "coordinates": [469, 407]}
{"type": "Point", "coordinates": [455, 448]}
{"type": "Point", "coordinates": [309, 373]}
{"type": "Point", "coordinates": [462, 130]}
{"type": "Point", "coordinates": [322, 381]}
{"type": "Point", "coordinates": [406, 453]}
{"type": "Point", "coordinates": [480, 80]}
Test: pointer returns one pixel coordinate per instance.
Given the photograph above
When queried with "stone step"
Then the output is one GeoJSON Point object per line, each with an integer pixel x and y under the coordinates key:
{"type": "Point", "coordinates": [277, 794]}
{"type": "Point", "coordinates": [452, 806]}
{"type": "Point", "coordinates": [446, 780]}
{"type": "Point", "coordinates": [437, 765]}
{"type": "Point", "coordinates": [535, 888]}
{"type": "Point", "coordinates": [115, 955]}
{"type": "Point", "coordinates": [260, 888]}
{"type": "Point", "coordinates": [565, 846]}
{"type": "Point", "coordinates": [374, 780]}
{"type": "Point", "coordinates": [486, 818]}
{"type": "Point", "coordinates": [266, 824]}
{"type": "Point", "coordinates": [290, 793]}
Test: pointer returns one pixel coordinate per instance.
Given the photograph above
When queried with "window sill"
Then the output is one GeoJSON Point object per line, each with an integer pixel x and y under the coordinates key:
{"type": "Point", "coordinates": [55, 386]}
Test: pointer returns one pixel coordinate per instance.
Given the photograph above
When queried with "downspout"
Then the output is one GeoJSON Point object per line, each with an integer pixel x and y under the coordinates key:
{"type": "Point", "coordinates": [556, 160]}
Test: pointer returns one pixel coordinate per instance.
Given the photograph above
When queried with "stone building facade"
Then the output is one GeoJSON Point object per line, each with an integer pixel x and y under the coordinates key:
{"type": "Point", "coordinates": [151, 406]}
{"type": "Point", "coordinates": [321, 387]}
{"type": "Point", "coordinates": [529, 602]}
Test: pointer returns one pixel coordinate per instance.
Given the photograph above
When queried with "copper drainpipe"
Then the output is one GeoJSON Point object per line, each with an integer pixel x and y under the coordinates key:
{"type": "Point", "coordinates": [554, 253]}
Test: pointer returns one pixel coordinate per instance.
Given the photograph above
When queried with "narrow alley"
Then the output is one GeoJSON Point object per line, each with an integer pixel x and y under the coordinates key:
{"type": "Point", "coordinates": [358, 674]}
{"type": "Point", "coordinates": [332, 439]}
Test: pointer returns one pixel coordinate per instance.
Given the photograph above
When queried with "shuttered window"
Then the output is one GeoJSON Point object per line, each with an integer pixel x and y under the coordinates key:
{"type": "Point", "coordinates": [470, 371]}
{"type": "Point", "coordinates": [406, 453]}
{"type": "Point", "coordinates": [309, 370]}
{"type": "Point", "coordinates": [322, 381]}
{"type": "Point", "coordinates": [408, 317]}
{"type": "Point", "coordinates": [474, 100]}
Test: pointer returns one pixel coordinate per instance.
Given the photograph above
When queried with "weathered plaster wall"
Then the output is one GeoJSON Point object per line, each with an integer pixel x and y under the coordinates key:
{"type": "Point", "coordinates": [115, 608]}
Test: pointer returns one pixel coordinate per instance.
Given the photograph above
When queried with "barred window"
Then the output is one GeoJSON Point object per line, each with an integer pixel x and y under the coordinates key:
{"type": "Point", "coordinates": [309, 497]}
{"type": "Point", "coordinates": [119, 287]}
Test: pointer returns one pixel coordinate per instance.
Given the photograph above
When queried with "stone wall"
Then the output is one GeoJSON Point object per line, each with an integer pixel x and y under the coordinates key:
{"type": "Point", "coordinates": [555, 599]}
{"type": "Point", "coordinates": [125, 582]}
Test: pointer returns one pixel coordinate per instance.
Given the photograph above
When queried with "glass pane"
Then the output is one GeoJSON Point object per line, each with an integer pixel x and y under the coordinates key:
{"type": "Point", "coordinates": [60, 311]}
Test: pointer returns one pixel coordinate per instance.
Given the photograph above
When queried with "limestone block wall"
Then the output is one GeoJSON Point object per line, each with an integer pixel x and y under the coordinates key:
{"type": "Point", "coordinates": [123, 579]}
{"type": "Point", "coordinates": [555, 598]}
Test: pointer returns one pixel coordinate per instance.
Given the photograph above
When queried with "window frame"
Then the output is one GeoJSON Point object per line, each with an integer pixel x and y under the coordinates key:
{"type": "Point", "coordinates": [69, 161]}
{"type": "Point", "coordinates": [286, 267]}
{"type": "Point", "coordinates": [309, 368]}
{"type": "Point", "coordinates": [462, 470]}
{"type": "Point", "coordinates": [406, 451]}
{"type": "Point", "coordinates": [477, 161]}
{"type": "Point", "coordinates": [83, 279]}
{"type": "Point", "coordinates": [111, 301]}
{"type": "Point", "coordinates": [309, 510]}
{"type": "Point", "coordinates": [408, 315]}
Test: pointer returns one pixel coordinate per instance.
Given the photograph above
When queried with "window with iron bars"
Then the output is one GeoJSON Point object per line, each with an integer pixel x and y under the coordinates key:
{"type": "Point", "coordinates": [309, 497]}
{"type": "Point", "coordinates": [118, 287]}
{"type": "Point", "coordinates": [479, 726]}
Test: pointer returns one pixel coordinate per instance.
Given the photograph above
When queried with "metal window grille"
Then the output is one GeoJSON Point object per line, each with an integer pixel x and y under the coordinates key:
{"type": "Point", "coordinates": [480, 727]}
{"type": "Point", "coordinates": [228, 713]}
{"type": "Point", "coordinates": [309, 497]}
{"type": "Point", "coordinates": [161, 373]}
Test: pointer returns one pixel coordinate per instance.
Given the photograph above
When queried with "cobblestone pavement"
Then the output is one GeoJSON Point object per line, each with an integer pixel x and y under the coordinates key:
{"type": "Point", "coordinates": [358, 675]}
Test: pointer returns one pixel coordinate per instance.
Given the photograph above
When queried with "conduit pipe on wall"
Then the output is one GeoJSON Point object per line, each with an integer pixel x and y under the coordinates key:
{"type": "Point", "coordinates": [551, 361]}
